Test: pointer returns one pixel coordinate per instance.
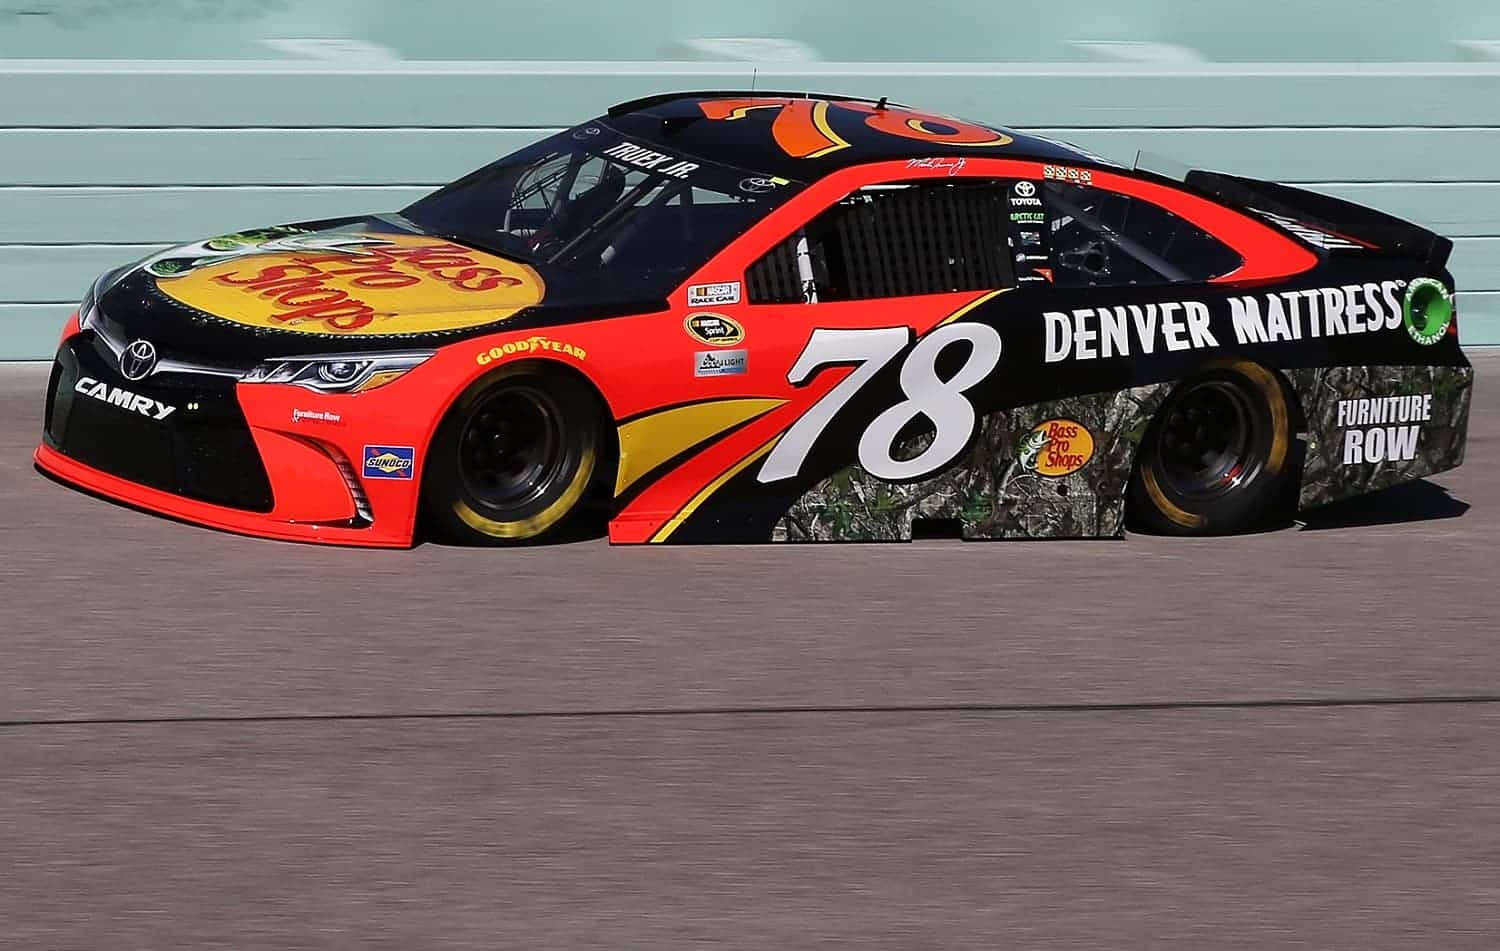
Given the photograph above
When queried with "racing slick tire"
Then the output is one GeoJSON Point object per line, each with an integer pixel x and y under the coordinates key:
{"type": "Point", "coordinates": [1217, 456]}
{"type": "Point", "coordinates": [515, 458]}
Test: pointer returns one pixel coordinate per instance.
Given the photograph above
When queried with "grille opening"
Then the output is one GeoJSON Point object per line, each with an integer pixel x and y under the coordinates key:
{"type": "Point", "coordinates": [209, 455]}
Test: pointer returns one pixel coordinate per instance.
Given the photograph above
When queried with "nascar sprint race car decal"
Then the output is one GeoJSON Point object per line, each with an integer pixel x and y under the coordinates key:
{"type": "Point", "coordinates": [750, 317]}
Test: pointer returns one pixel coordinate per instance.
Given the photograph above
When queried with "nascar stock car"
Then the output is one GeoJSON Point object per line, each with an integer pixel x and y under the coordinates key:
{"type": "Point", "coordinates": [745, 317]}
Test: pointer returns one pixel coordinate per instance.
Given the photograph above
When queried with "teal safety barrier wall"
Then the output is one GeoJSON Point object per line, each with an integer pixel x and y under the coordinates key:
{"type": "Point", "coordinates": [102, 161]}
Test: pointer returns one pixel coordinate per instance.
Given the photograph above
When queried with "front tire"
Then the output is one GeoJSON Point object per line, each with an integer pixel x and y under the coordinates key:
{"type": "Point", "coordinates": [514, 459]}
{"type": "Point", "coordinates": [1215, 459]}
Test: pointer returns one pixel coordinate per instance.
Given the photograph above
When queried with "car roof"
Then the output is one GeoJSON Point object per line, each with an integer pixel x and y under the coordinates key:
{"type": "Point", "coordinates": [676, 123]}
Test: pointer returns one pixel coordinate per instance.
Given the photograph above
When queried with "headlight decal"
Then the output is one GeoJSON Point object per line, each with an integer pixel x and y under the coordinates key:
{"type": "Point", "coordinates": [339, 373]}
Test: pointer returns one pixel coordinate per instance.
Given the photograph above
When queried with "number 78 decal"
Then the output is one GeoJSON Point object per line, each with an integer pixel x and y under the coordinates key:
{"type": "Point", "coordinates": [941, 401]}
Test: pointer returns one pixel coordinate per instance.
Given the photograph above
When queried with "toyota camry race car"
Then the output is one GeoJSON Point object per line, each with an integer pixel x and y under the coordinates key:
{"type": "Point", "coordinates": [745, 317]}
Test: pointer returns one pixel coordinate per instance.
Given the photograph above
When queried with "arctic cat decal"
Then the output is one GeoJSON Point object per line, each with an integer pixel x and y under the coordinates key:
{"type": "Point", "coordinates": [358, 285]}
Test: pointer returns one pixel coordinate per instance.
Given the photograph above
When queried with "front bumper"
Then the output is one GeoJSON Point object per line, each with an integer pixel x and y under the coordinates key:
{"type": "Point", "coordinates": [274, 461]}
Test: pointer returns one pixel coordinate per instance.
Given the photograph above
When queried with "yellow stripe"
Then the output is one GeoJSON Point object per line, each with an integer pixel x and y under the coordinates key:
{"type": "Point", "coordinates": [714, 486]}
{"type": "Point", "coordinates": [820, 119]}
{"type": "Point", "coordinates": [971, 305]}
{"type": "Point", "coordinates": [917, 125]}
{"type": "Point", "coordinates": [648, 442]}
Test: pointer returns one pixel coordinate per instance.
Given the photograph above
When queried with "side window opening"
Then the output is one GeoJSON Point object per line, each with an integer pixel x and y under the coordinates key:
{"type": "Point", "coordinates": [893, 241]}
{"type": "Point", "coordinates": [1102, 239]}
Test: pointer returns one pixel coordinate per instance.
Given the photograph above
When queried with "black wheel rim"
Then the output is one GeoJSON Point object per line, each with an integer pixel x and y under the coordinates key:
{"type": "Point", "coordinates": [511, 448]}
{"type": "Point", "coordinates": [1206, 447]}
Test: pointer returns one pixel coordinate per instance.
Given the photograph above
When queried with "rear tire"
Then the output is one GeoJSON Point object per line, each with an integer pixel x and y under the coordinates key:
{"type": "Point", "coordinates": [514, 459]}
{"type": "Point", "coordinates": [1216, 458]}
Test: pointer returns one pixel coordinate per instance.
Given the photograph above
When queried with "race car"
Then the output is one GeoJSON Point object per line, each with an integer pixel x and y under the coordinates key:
{"type": "Point", "coordinates": [756, 316]}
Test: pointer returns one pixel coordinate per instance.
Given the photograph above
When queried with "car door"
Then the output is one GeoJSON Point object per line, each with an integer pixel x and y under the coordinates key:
{"type": "Point", "coordinates": [858, 308]}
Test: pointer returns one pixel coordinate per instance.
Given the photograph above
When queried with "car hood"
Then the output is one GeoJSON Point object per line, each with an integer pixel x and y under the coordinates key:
{"type": "Point", "coordinates": [332, 286]}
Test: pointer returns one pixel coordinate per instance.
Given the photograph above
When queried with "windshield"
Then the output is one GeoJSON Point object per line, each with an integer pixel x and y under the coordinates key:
{"type": "Point", "coordinates": [588, 200]}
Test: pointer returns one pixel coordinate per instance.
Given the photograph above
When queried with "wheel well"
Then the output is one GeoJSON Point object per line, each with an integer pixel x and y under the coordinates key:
{"type": "Point", "coordinates": [1296, 422]}
{"type": "Point", "coordinates": [609, 448]}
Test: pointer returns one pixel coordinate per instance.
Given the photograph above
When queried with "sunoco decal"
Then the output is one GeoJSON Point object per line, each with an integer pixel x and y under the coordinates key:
{"type": "Point", "coordinates": [1055, 448]}
{"type": "Point", "coordinates": [716, 330]}
{"type": "Point", "coordinates": [351, 284]}
{"type": "Point", "coordinates": [389, 462]}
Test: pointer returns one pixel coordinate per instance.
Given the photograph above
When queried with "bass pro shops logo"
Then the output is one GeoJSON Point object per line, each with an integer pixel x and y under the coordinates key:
{"type": "Point", "coordinates": [1055, 448]}
{"type": "Point", "coordinates": [389, 462]}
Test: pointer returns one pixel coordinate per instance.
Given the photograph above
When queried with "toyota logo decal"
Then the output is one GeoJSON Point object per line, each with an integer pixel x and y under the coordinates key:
{"type": "Point", "coordinates": [138, 360]}
{"type": "Point", "coordinates": [1025, 189]}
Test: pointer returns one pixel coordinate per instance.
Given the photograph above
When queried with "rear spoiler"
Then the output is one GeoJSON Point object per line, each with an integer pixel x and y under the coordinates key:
{"type": "Point", "coordinates": [1331, 223]}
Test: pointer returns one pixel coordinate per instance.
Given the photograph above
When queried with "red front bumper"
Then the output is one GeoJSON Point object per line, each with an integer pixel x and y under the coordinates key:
{"type": "Point", "coordinates": [312, 448]}
{"type": "Point", "coordinates": [388, 533]}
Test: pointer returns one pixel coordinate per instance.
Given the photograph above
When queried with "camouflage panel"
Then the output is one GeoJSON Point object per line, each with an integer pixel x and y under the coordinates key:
{"type": "Point", "coordinates": [1000, 487]}
{"type": "Point", "coordinates": [1377, 441]}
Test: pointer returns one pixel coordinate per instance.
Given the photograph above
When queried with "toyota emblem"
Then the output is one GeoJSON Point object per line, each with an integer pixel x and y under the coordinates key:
{"type": "Point", "coordinates": [1025, 189]}
{"type": "Point", "coordinates": [138, 360]}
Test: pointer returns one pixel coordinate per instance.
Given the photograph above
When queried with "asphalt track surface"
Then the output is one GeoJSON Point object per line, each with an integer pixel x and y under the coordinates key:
{"type": "Point", "coordinates": [1287, 740]}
